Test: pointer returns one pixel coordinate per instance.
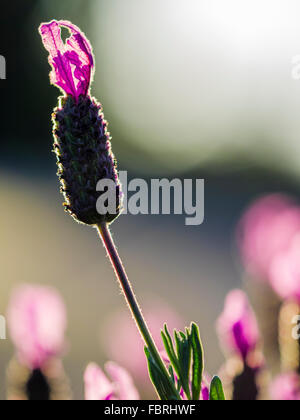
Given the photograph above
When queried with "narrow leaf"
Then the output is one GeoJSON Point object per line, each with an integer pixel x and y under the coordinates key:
{"type": "Point", "coordinates": [216, 390]}
{"type": "Point", "coordinates": [168, 343]}
{"type": "Point", "coordinates": [184, 360]}
{"type": "Point", "coordinates": [198, 361]}
{"type": "Point", "coordinates": [159, 380]}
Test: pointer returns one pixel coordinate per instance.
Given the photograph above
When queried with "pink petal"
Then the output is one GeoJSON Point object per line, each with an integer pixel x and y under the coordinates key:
{"type": "Point", "coordinates": [97, 386]}
{"type": "Point", "coordinates": [285, 272]}
{"type": "Point", "coordinates": [286, 387]}
{"type": "Point", "coordinates": [124, 384]}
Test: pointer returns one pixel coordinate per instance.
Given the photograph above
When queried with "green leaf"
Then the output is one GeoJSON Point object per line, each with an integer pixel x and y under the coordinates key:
{"type": "Point", "coordinates": [179, 386]}
{"type": "Point", "coordinates": [216, 390]}
{"type": "Point", "coordinates": [183, 348]}
{"type": "Point", "coordinates": [198, 361]}
{"type": "Point", "coordinates": [168, 343]}
{"type": "Point", "coordinates": [171, 372]}
{"type": "Point", "coordinates": [181, 359]}
{"type": "Point", "coordinates": [162, 385]}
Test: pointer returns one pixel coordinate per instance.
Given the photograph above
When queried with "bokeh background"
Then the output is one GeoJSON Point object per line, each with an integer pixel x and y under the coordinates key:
{"type": "Point", "coordinates": [192, 89]}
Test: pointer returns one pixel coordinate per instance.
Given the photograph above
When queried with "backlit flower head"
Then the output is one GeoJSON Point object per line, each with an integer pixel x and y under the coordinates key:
{"type": "Point", "coordinates": [265, 230]}
{"type": "Point", "coordinates": [37, 322]}
{"type": "Point", "coordinates": [237, 326]}
{"type": "Point", "coordinates": [285, 272]}
{"type": "Point", "coordinates": [72, 62]}
{"type": "Point", "coordinates": [81, 139]}
{"type": "Point", "coordinates": [98, 387]}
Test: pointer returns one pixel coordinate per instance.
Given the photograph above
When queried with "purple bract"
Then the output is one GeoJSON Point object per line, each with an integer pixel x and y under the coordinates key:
{"type": "Point", "coordinates": [72, 62]}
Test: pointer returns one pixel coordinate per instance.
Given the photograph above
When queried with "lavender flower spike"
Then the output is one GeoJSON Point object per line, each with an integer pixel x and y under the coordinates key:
{"type": "Point", "coordinates": [81, 140]}
{"type": "Point", "coordinates": [85, 160]}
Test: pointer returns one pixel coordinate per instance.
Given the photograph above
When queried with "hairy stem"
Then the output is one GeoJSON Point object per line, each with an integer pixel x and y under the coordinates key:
{"type": "Point", "coordinates": [107, 239]}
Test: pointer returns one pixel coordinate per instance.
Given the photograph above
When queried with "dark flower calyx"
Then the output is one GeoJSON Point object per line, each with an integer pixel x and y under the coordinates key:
{"type": "Point", "coordinates": [37, 387]}
{"type": "Point", "coordinates": [84, 157]}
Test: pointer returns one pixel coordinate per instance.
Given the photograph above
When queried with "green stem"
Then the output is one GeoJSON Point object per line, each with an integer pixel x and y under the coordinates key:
{"type": "Point", "coordinates": [107, 239]}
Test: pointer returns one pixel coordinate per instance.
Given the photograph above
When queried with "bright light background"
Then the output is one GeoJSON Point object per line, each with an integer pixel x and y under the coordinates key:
{"type": "Point", "coordinates": [203, 80]}
{"type": "Point", "coordinates": [184, 83]}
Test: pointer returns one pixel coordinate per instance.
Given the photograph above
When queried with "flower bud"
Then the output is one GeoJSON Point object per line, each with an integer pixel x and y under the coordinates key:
{"type": "Point", "coordinates": [81, 140]}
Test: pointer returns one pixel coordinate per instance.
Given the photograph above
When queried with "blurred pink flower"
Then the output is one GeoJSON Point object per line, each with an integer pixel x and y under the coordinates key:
{"type": "Point", "coordinates": [237, 326]}
{"type": "Point", "coordinates": [285, 272]}
{"type": "Point", "coordinates": [99, 387]}
{"type": "Point", "coordinates": [120, 332]}
{"type": "Point", "coordinates": [265, 230]}
{"type": "Point", "coordinates": [72, 62]}
{"type": "Point", "coordinates": [286, 388]}
{"type": "Point", "coordinates": [37, 322]}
